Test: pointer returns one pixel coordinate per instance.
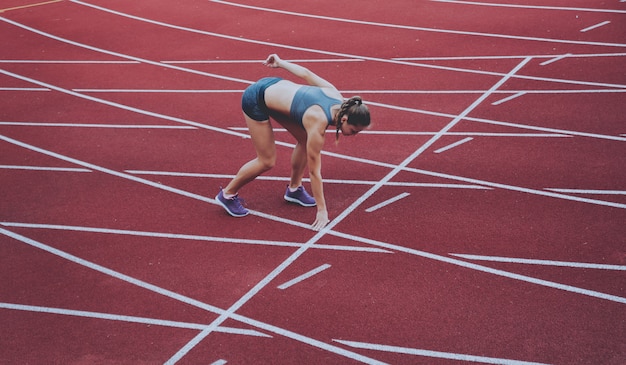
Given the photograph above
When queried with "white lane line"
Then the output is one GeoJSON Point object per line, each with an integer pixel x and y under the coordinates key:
{"type": "Point", "coordinates": [393, 61]}
{"type": "Point", "coordinates": [532, 6]}
{"type": "Point", "coordinates": [358, 92]}
{"type": "Point", "coordinates": [303, 277]}
{"type": "Point", "coordinates": [355, 159]}
{"type": "Point", "coordinates": [68, 62]}
{"type": "Point", "coordinates": [516, 95]}
{"type": "Point", "coordinates": [455, 144]}
{"type": "Point", "coordinates": [484, 269]}
{"type": "Point", "coordinates": [181, 298]}
{"type": "Point", "coordinates": [220, 362]}
{"type": "Point", "coordinates": [125, 318]}
{"type": "Point", "coordinates": [369, 241]}
{"type": "Point", "coordinates": [81, 125]}
{"type": "Point", "coordinates": [188, 237]}
{"type": "Point", "coordinates": [122, 106]}
{"type": "Point", "coordinates": [385, 92]}
{"type": "Point", "coordinates": [23, 89]}
{"type": "Point", "coordinates": [310, 60]}
{"type": "Point", "coordinates": [518, 188]}
{"type": "Point", "coordinates": [397, 26]}
{"type": "Point", "coordinates": [287, 262]}
{"type": "Point", "coordinates": [284, 332]}
{"type": "Point", "coordinates": [387, 202]}
{"type": "Point", "coordinates": [434, 354]}
{"type": "Point", "coordinates": [281, 331]}
{"type": "Point", "coordinates": [43, 168]}
{"type": "Point", "coordinates": [137, 59]}
{"type": "Point", "coordinates": [589, 191]}
{"type": "Point", "coordinates": [507, 57]}
{"type": "Point", "coordinates": [558, 58]}
{"type": "Point", "coordinates": [495, 122]}
{"type": "Point", "coordinates": [422, 133]}
{"type": "Point", "coordinates": [595, 26]}
{"type": "Point", "coordinates": [326, 181]}
{"type": "Point", "coordinates": [281, 46]}
{"type": "Point", "coordinates": [157, 91]}
{"type": "Point", "coordinates": [515, 260]}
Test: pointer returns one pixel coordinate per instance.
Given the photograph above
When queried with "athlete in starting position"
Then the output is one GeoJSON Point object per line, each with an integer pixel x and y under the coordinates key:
{"type": "Point", "coordinates": [306, 112]}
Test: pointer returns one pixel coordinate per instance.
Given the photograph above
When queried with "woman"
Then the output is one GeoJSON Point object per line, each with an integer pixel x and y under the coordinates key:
{"type": "Point", "coordinates": [306, 112]}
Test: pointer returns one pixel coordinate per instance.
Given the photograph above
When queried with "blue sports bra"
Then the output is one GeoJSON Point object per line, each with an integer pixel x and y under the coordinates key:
{"type": "Point", "coordinates": [307, 96]}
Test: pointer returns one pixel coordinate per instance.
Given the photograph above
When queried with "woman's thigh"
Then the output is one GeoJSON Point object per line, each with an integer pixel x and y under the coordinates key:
{"type": "Point", "coordinates": [262, 136]}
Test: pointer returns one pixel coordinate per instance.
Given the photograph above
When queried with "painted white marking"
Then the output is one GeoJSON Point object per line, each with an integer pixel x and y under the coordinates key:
{"type": "Point", "coordinates": [122, 106]}
{"type": "Point", "coordinates": [475, 134]}
{"type": "Point", "coordinates": [137, 59]}
{"type": "Point", "coordinates": [68, 62]}
{"type": "Point", "coordinates": [320, 60]}
{"type": "Point", "coordinates": [43, 168]}
{"type": "Point", "coordinates": [484, 269]}
{"type": "Point", "coordinates": [387, 202]}
{"type": "Point", "coordinates": [518, 188]}
{"type": "Point", "coordinates": [234, 315]}
{"type": "Point", "coordinates": [356, 159]}
{"type": "Point", "coordinates": [23, 89]}
{"type": "Point", "coordinates": [303, 277]}
{"type": "Point", "coordinates": [130, 319]}
{"type": "Point", "coordinates": [558, 58]}
{"type": "Point", "coordinates": [282, 46]}
{"type": "Point", "coordinates": [188, 237]}
{"type": "Point", "coordinates": [383, 92]}
{"type": "Point", "coordinates": [326, 181]}
{"type": "Point", "coordinates": [122, 126]}
{"type": "Point", "coordinates": [455, 144]}
{"type": "Point", "coordinates": [595, 26]}
{"type": "Point", "coordinates": [181, 298]}
{"type": "Point", "coordinates": [514, 260]}
{"type": "Point", "coordinates": [434, 354]}
{"type": "Point", "coordinates": [158, 91]}
{"type": "Point", "coordinates": [415, 133]}
{"type": "Point", "coordinates": [590, 191]}
{"type": "Point", "coordinates": [506, 124]}
{"type": "Point", "coordinates": [396, 26]}
{"type": "Point", "coordinates": [506, 57]}
{"type": "Point", "coordinates": [313, 342]}
{"type": "Point", "coordinates": [560, 8]}
{"type": "Point", "coordinates": [220, 362]}
{"type": "Point", "coordinates": [516, 95]}
{"type": "Point", "coordinates": [287, 262]}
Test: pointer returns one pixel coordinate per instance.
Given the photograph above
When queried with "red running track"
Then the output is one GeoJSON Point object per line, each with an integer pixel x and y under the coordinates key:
{"type": "Point", "coordinates": [480, 220]}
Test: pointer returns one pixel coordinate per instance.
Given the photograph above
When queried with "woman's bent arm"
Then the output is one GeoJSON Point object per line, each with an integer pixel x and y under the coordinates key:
{"type": "Point", "coordinates": [311, 78]}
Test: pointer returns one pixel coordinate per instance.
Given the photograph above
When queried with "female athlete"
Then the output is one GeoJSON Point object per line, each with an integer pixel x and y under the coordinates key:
{"type": "Point", "coordinates": [305, 111]}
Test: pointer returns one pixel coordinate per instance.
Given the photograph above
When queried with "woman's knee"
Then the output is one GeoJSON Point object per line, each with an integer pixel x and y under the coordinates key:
{"type": "Point", "coordinates": [267, 162]}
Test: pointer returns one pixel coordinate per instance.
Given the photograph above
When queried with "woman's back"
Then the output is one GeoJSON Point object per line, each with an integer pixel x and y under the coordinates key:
{"type": "Point", "coordinates": [279, 97]}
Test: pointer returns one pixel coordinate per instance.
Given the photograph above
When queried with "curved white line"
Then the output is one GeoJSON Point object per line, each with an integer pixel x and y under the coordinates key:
{"type": "Point", "coordinates": [424, 29]}
{"type": "Point", "coordinates": [517, 6]}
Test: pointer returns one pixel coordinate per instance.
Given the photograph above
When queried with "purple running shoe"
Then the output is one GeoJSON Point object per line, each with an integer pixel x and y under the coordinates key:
{"type": "Point", "coordinates": [300, 196]}
{"type": "Point", "coordinates": [233, 205]}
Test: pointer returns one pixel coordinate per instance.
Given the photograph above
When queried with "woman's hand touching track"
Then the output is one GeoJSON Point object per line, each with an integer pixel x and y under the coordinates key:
{"type": "Point", "coordinates": [321, 220]}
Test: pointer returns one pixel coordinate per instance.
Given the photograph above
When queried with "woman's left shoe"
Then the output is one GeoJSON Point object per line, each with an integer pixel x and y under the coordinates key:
{"type": "Point", "coordinates": [300, 196]}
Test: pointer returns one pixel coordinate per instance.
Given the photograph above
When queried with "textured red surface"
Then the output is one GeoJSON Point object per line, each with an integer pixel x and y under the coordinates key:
{"type": "Point", "coordinates": [126, 260]}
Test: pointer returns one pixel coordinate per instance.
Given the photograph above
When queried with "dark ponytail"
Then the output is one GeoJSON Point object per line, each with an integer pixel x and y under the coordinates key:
{"type": "Point", "coordinates": [358, 114]}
